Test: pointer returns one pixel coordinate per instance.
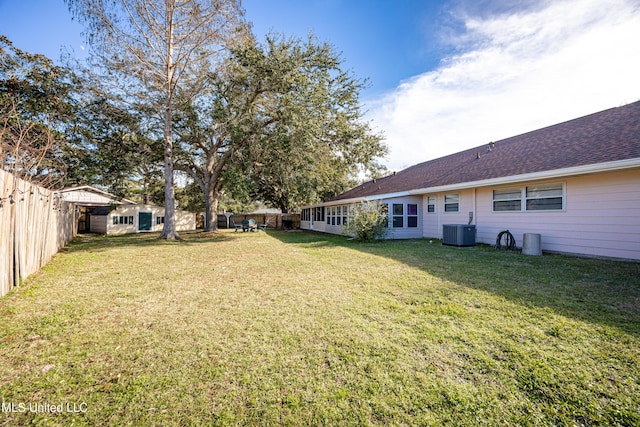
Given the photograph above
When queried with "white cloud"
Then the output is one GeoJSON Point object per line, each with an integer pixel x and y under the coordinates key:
{"type": "Point", "coordinates": [515, 73]}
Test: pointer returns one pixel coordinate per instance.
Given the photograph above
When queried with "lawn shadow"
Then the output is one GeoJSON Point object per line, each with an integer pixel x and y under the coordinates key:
{"type": "Point", "coordinates": [102, 242]}
{"type": "Point", "coordinates": [605, 292]}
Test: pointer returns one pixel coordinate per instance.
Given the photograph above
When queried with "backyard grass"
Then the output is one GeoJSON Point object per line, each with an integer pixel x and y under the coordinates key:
{"type": "Point", "coordinates": [308, 329]}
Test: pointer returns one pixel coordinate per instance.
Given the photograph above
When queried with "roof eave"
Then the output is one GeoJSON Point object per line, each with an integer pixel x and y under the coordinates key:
{"type": "Point", "coordinates": [618, 165]}
{"type": "Point", "coordinates": [613, 166]}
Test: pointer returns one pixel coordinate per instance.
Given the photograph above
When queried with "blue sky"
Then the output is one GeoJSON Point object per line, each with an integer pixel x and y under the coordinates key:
{"type": "Point", "coordinates": [444, 75]}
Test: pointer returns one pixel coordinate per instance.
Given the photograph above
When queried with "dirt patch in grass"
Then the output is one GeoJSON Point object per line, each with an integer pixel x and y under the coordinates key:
{"type": "Point", "coordinates": [306, 329]}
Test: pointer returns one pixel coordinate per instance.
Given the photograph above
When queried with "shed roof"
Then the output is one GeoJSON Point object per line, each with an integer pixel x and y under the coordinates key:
{"type": "Point", "coordinates": [91, 196]}
{"type": "Point", "coordinates": [607, 136]}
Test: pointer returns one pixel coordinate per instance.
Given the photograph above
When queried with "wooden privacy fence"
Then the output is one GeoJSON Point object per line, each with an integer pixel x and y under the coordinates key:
{"type": "Point", "coordinates": [34, 225]}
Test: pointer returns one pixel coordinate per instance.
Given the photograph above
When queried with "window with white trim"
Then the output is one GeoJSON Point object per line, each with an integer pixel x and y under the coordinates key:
{"type": "Point", "coordinates": [452, 202]}
{"type": "Point", "coordinates": [541, 197]}
{"type": "Point", "coordinates": [508, 199]}
{"type": "Point", "coordinates": [398, 215]}
{"type": "Point", "coordinates": [431, 204]}
{"type": "Point", "coordinates": [122, 219]}
{"type": "Point", "coordinates": [412, 215]}
{"type": "Point", "coordinates": [545, 197]}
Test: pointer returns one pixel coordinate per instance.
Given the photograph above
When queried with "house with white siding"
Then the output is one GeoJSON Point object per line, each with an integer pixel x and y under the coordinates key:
{"type": "Point", "coordinates": [577, 184]}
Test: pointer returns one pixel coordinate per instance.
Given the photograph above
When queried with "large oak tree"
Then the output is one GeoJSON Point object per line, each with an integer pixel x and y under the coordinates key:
{"type": "Point", "coordinates": [283, 117]}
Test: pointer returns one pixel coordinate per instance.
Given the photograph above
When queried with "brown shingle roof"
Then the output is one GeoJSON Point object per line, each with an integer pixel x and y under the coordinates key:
{"type": "Point", "coordinates": [606, 136]}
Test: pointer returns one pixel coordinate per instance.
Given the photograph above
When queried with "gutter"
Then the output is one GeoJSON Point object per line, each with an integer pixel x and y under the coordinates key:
{"type": "Point", "coordinates": [614, 166]}
{"type": "Point", "coordinates": [618, 165]}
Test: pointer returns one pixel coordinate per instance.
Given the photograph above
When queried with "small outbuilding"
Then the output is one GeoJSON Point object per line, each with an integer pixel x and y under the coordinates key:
{"type": "Point", "coordinates": [137, 218]}
{"type": "Point", "coordinates": [105, 213]}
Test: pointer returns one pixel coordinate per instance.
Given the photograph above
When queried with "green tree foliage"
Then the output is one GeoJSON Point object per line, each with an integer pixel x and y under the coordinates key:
{"type": "Point", "coordinates": [281, 123]}
{"type": "Point", "coordinates": [155, 55]}
{"type": "Point", "coordinates": [319, 144]}
{"type": "Point", "coordinates": [36, 102]}
{"type": "Point", "coordinates": [367, 222]}
{"type": "Point", "coordinates": [111, 149]}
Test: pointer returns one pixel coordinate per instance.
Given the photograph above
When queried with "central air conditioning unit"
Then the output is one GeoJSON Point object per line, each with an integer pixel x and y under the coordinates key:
{"type": "Point", "coordinates": [459, 234]}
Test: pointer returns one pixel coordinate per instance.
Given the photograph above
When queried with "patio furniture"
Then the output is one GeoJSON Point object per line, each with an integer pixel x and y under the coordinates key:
{"type": "Point", "coordinates": [236, 226]}
{"type": "Point", "coordinates": [263, 227]}
{"type": "Point", "coordinates": [249, 225]}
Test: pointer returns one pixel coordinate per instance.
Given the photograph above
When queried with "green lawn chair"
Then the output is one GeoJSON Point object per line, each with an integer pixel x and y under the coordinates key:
{"type": "Point", "coordinates": [236, 226]}
{"type": "Point", "coordinates": [263, 227]}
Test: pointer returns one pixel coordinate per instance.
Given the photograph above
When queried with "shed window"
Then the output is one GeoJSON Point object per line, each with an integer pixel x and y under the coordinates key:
{"type": "Point", "coordinates": [452, 203]}
{"type": "Point", "coordinates": [122, 219]}
{"type": "Point", "coordinates": [159, 220]}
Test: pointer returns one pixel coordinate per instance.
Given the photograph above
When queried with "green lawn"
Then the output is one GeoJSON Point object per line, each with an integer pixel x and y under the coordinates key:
{"type": "Point", "coordinates": [308, 329]}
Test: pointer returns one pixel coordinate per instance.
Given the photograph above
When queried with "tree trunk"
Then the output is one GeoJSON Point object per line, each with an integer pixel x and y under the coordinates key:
{"type": "Point", "coordinates": [211, 210]}
{"type": "Point", "coordinates": [169, 231]}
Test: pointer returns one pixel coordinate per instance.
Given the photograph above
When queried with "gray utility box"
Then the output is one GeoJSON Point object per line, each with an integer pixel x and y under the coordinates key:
{"type": "Point", "coordinates": [459, 234]}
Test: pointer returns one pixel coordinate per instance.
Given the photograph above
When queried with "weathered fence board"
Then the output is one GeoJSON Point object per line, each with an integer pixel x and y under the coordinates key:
{"type": "Point", "coordinates": [34, 225]}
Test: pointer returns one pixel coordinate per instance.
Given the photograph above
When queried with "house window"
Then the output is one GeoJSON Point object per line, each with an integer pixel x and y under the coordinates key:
{"type": "Point", "coordinates": [345, 214]}
{"type": "Point", "coordinates": [452, 202]}
{"type": "Point", "coordinates": [398, 215]}
{"type": "Point", "coordinates": [508, 199]}
{"type": "Point", "coordinates": [431, 204]}
{"type": "Point", "coordinates": [338, 215]}
{"type": "Point", "coordinates": [159, 220]}
{"type": "Point", "coordinates": [545, 197]}
{"type": "Point", "coordinates": [412, 215]}
{"type": "Point", "coordinates": [319, 214]}
{"type": "Point", "coordinates": [115, 219]}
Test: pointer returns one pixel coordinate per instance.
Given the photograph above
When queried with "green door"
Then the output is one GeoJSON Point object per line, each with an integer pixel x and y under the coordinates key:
{"type": "Point", "coordinates": [144, 221]}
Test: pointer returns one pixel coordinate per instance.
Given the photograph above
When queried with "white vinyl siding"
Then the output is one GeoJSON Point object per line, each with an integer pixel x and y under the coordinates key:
{"type": "Point", "coordinates": [599, 217]}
